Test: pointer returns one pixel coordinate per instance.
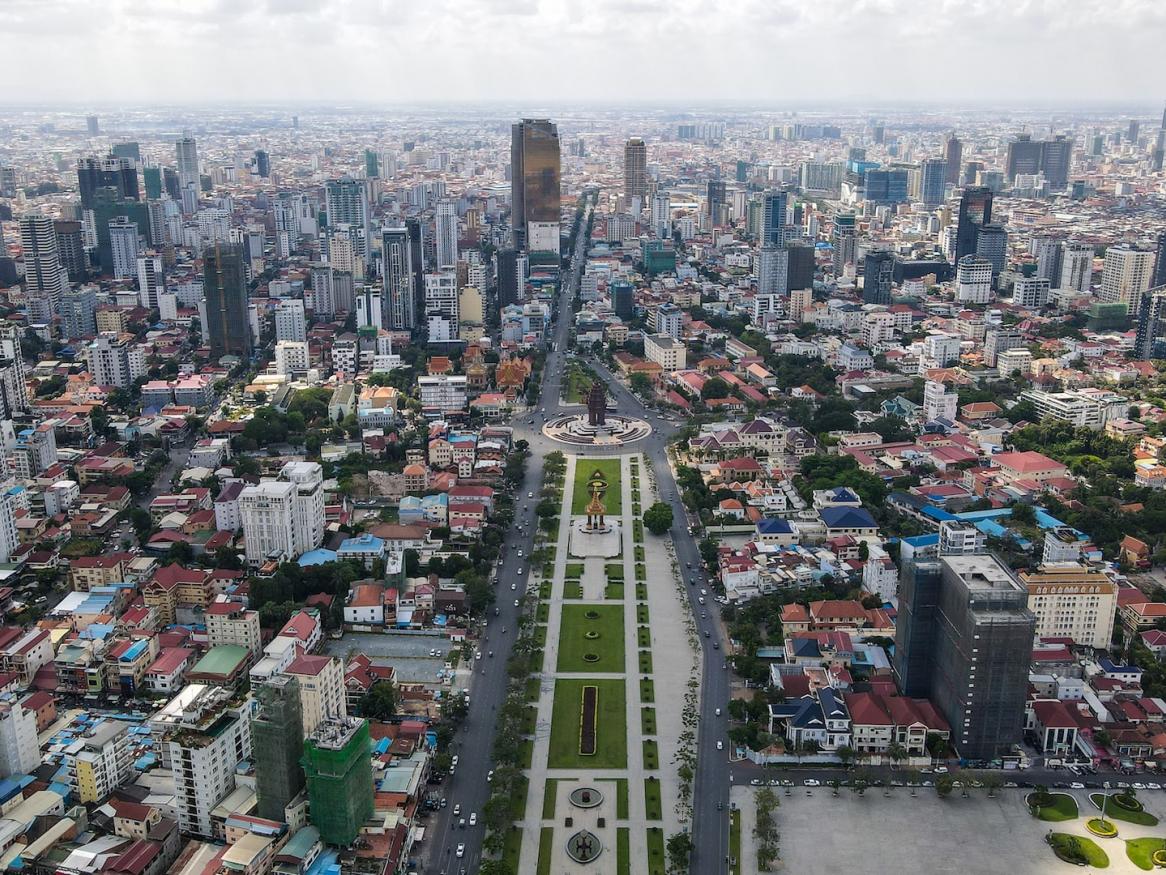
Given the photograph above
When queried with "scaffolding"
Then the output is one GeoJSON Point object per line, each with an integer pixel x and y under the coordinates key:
{"type": "Point", "coordinates": [339, 772]}
{"type": "Point", "coordinates": [277, 744]}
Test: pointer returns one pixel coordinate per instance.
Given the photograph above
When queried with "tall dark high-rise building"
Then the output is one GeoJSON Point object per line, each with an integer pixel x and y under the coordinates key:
{"type": "Point", "coordinates": [347, 204]}
{"type": "Point", "coordinates": [1132, 133]}
{"type": "Point", "coordinates": [262, 163]}
{"type": "Point", "coordinates": [152, 179]}
{"type": "Point", "coordinates": [92, 125]}
{"type": "Point", "coordinates": [623, 300]}
{"type": "Point", "coordinates": [372, 164]}
{"type": "Point", "coordinates": [878, 132]}
{"type": "Point", "coordinates": [108, 172]}
{"type": "Point", "coordinates": [933, 182]}
{"type": "Point", "coordinates": [398, 300]}
{"type": "Point", "coordinates": [715, 201]}
{"type": "Point", "coordinates": [1056, 156]}
{"type": "Point", "coordinates": [1024, 156]}
{"type": "Point", "coordinates": [964, 640]}
{"type": "Point", "coordinates": [339, 778]}
{"type": "Point", "coordinates": [953, 151]}
{"type": "Point", "coordinates": [975, 212]}
{"type": "Point", "coordinates": [534, 176]}
{"type": "Point", "coordinates": [228, 328]}
{"type": "Point", "coordinates": [416, 232]}
{"type": "Point", "coordinates": [1158, 277]}
{"type": "Point", "coordinates": [129, 149]}
{"type": "Point", "coordinates": [509, 282]}
{"type": "Point", "coordinates": [71, 249]}
{"type": "Point", "coordinates": [992, 244]}
{"type": "Point", "coordinates": [109, 205]}
{"type": "Point", "coordinates": [878, 276]}
{"type": "Point", "coordinates": [843, 238]}
{"type": "Point", "coordinates": [1150, 341]}
{"type": "Point", "coordinates": [774, 203]}
{"type": "Point", "coordinates": [799, 266]}
{"type": "Point", "coordinates": [635, 171]}
{"type": "Point", "coordinates": [277, 744]}
{"type": "Point", "coordinates": [171, 183]}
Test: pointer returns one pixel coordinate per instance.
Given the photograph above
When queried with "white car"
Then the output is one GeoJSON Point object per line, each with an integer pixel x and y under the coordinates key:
{"type": "Point", "coordinates": [1077, 785]}
{"type": "Point", "coordinates": [516, 603]}
{"type": "Point", "coordinates": [720, 745]}
{"type": "Point", "coordinates": [473, 818]}
{"type": "Point", "coordinates": [461, 849]}
{"type": "Point", "coordinates": [941, 770]}
{"type": "Point", "coordinates": [755, 783]}
{"type": "Point", "coordinates": [1138, 786]}
{"type": "Point", "coordinates": [489, 776]}
{"type": "Point", "coordinates": [812, 782]}
{"type": "Point", "coordinates": [530, 495]}
{"type": "Point", "coordinates": [513, 587]}
{"type": "Point", "coordinates": [478, 655]}
{"type": "Point", "coordinates": [1153, 786]}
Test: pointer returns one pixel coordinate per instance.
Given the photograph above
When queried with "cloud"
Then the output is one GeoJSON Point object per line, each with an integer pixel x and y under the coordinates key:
{"type": "Point", "coordinates": [547, 50]}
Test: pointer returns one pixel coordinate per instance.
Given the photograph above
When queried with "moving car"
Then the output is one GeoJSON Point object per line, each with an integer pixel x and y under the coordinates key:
{"type": "Point", "coordinates": [473, 818]}
{"type": "Point", "coordinates": [720, 745]}
{"type": "Point", "coordinates": [461, 849]}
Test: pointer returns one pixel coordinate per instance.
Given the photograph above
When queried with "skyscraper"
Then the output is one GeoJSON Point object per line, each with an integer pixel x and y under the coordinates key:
{"type": "Point", "coordinates": [186, 161]}
{"type": "Point", "coordinates": [878, 276]}
{"type": "Point", "coordinates": [1159, 275]}
{"type": "Point", "coordinates": [534, 179]}
{"type": "Point", "coordinates": [397, 272]}
{"type": "Point", "coordinates": [964, 639]}
{"type": "Point", "coordinates": [348, 205]}
{"type": "Point", "coordinates": [152, 178]}
{"type": "Point", "coordinates": [1046, 249]}
{"type": "Point", "coordinates": [43, 273]}
{"type": "Point", "coordinates": [129, 149]}
{"type": "Point", "coordinates": [1132, 133]}
{"type": "Point", "coordinates": [1024, 156]}
{"type": "Point", "coordinates": [225, 287]}
{"type": "Point", "coordinates": [661, 216]}
{"type": "Point", "coordinates": [934, 180]}
{"type": "Point", "coordinates": [372, 167]}
{"type": "Point", "coordinates": [953, 151]}
{"type": "Point", "coordinates": [262, 163]}
{"type": "Point", "coordinates": [1056, 156]}
{"type": "Point", "coordinates": [446, 228]}
{"type": "Point", "coordinates": [71, 249]}
{"type": "Point", "coordinates": [108, 172]}
{"type": "Point", "coordinates": [416, 232]}
{"type": "Point", "coordinates": [842, 236]}
{"type": "Point", "coordinates": [339, 777]}
{"type": "Point", "coordinates": [715, 201]}
{"type": "Point", "coordinates": [92, 126]}
{"type": "Point", "coordinates": [635, 172]}
{"type": "Point", "coordinates": [123, 244]}
{"type": "Point", "coordinates": [79, 312]}
{"type": "Point", "coordinates": [773, 209]}
{"type": "Point", "coordinates": [510, 281]}
{"type": "Point", "coordinates": [150, 283]}
{"type": "Point", "coordinates": [1126, 275]}
{"type": "Point", "coordinates": [277, 744]}
{"type": "Point", "coordinates": [1076, 267]}
{"type": "Point", "coordinates": [992, 244]}
{"type": "Point", "coordinates": [1150, 341]}
{"type": "Point", "coordinates": [975, 211]}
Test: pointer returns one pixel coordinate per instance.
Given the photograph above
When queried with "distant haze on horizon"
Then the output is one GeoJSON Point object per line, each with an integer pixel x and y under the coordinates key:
{"type": "Point", "coordinates": [944, 52]}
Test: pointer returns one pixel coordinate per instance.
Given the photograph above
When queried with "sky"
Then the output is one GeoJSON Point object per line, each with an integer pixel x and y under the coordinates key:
{"type": "Point", "coordinates": [1019, 52]}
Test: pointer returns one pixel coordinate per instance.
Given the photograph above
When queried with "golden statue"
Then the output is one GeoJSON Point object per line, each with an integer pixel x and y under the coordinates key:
{"type": "Point", "coordinates": [596, 510]}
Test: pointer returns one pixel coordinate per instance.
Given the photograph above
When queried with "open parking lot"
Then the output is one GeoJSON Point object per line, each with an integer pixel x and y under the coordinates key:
{"type": "Point", "coordinates": [407, 654]}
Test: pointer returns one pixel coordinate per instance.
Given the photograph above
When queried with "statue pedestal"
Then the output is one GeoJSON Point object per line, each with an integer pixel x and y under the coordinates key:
{"type": "Point", "coordinates": [586, 542]}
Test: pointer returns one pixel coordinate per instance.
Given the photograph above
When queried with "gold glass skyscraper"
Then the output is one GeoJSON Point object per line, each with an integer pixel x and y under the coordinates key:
{"type": "Point", "coordinates": [635, 171]}
{"type": "Point", "coordinates": [534, 174]}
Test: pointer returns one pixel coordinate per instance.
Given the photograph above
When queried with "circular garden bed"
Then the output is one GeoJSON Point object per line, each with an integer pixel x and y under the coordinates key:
{"type": "Point", "coordinates": [1159, 857]}
{"type": "Point", "coordinates": [1102, 828]}
{"type": "Point", "coordinates": [1124, 800]}
{"type": "Point", "coordinates": [591, 636]}
{"type": "Point", "coordinates": [585, 797]}
{"type": "Point", "coordinates": [584, 847]}
{"type": "Point", "coordinates": [592, 615]}
{"type": "Point", "coordinates": [591, 657]}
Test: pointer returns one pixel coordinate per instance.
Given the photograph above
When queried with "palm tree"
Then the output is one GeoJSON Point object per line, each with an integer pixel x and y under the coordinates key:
{"type": "Point", "coordinates": [834, 784]}
{"type": "Point", "coordinates": [897, 753]}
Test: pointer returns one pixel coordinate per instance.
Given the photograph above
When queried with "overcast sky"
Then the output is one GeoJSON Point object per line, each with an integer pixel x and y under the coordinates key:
{"type": "Point", "coordinates": [1017, 51]}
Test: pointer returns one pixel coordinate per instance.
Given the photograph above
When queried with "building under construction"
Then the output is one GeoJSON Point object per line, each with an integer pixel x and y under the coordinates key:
{"type": "Point", "coordinates": [277, 744]}
{"type": "Point", "coordinates": [338, 765]}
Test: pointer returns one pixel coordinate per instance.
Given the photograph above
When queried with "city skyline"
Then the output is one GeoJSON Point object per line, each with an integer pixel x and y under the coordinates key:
{"type": "Point", "coordinates": [639, 51]}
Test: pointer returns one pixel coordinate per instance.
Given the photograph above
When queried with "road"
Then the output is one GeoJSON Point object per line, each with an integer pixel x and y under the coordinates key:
{"type": "Point", "coordinates": [468, 787]}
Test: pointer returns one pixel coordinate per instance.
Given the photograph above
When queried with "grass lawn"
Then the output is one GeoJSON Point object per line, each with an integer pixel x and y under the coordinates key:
{"type": "Point", "coordinates": [647, 691]}
{"type": "Point", "coordinates": [656, 859]}
{"type": "Point", "coordinates": [613, 591]}
{"type": "Point", "coordinates": [546, 838]}
{"type": "Point", "coordinates": [572, 589]}
{"type": "Point", "coordinates": [642, 616]}
{"type": "Point", "coordinates": [544, 590]}
{"type": "Point", "coordinates": [638, 531]}
{"type": "Point", "coordinates": [623, 853]}
{"type": "Point", "coordinates": [612, 499]}
{"type": "Point", "coordinates": [654, 809]}
{"type": "Point", "coordinates": [612, 745]}
{"type": "Point", "coordinates": [735, 842]}
{"type": "Point", "coordinates": [641, 573]}
{"type": "Point", "coordinates": [651, 755]}
{"type": "Point", "coordinates": [644, 636]}
{"type": "Point", "coordinates": [608, 646]}
{"type": "Point", "coordinates": [614, 572]}
{"type": "Point", "coordinates": [540, 636]}
{"type": "Point", "coordinates": [648, 721]}
{"type": "Point", "coordinates": [639, 554]}
{"type": "Point", "coordinates": [1094, 856]}
{"type": "Point", "coordinates": [577, 379]}
{"type": "Point", "coordinates": [1114, 811]}
{"type": "Point", "coordinates": [525, 752]}
{"type": "Point", "coordinates": [518, 800]}
{"type": "Point", "coordinates": [549, 791]}
{"type": "Point", "coordinates": [532, 689]}
{"type": "Point", "coordinates": [512, 848]}
{"type": "Point", "coordinates": [1064, 807]}
{"type": "Point", "coordinates": [621, 798]}
{"type": "Point", "coordinates": [574, 569]}
{"type": "Point", "coordinates": [542, 613]}
{"type": "Point", "coordinates": [645, 662]}
{"type": "Point", "coordinates": [1141, 851]}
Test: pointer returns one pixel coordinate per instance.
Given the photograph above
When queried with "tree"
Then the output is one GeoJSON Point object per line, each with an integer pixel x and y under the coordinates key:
{"type": "Point", "coordinates": [846, 754]}
{"type": "Point", "coordinates": [1023, 513]}
{"type": "Point", "coordinates": [642, 384]}
{"type": "Point", "coordinates": [944, 784]}
{"type": "Point", "coordinates": [863, 551]}
{"type": "Point", "coordinates": [715, 388]}
{"type": "Point", "coordinates": [896, 752]}
{"type": "Point", "coordinates": [494, 867]}
{"type": "Point", "coordinates": [227, 557]}
{"type": "Point", "coordinates": [679, 848]}
{"type": "Point", "coordinates": [380, 702]}
{"type": "Point", "coordinates": [658, 518]}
